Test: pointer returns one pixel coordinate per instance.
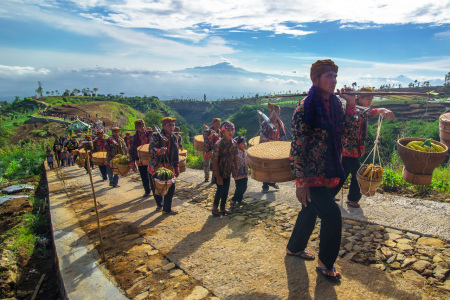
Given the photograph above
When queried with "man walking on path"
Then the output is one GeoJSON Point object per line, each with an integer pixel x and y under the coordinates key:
{"type": "Point", "coordinates": [141, 137]}
{"type": "Point", "coordinates": [114, 145]}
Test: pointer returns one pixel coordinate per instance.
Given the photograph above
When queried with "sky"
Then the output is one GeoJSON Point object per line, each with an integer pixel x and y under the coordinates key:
{"type": "Point", "coordinates": [188, 48]}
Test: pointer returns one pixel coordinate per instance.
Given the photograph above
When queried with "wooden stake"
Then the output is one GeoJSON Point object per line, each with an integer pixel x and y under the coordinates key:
{"type": "Point", "coordinates": [88, 164]}
{"type": "Point", "coordinates": [36, 290]}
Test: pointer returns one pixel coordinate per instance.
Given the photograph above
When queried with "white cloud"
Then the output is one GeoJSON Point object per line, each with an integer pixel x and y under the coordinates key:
{"type": "Point", "coordinates": [22, 71]}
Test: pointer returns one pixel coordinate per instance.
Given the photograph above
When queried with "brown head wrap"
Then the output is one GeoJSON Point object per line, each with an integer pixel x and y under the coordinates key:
{"type": "Point", "coordinates": [166, 120]}
{"type": "Point", "coordinates": [216, 120]}
{"type": "Point", "coordinates": [273, 106]}
{"type": "Point", "coordinates": [115, 128]}
{"type": "Point", "coordinates": [149, 128]}
{"type": "Point", "coordinates": [139, 122]}
{"type": "Point", "coordinates": [322, 66]}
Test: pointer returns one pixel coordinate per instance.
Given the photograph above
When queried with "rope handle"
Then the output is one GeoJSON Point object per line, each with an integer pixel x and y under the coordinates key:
{"type": "Point", "coordinates": [375, 150]}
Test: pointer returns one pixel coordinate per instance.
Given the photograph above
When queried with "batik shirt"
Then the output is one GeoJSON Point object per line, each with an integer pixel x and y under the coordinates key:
{"type": "Point", "coordinates": [169, 160]}
{"type": "Point", "coordinates": [308, 150]}
{"type": "Point", "coordinates": [225, 156]}
{"type": "Point", "coordinates": [242, 164]}
{"type": "Point", "coordinates": [209, 141]}
{"type": "Point", "coordinates": [267, 134]}
{"type": "Point", "coordinates": [99, 145]}
{"type": "Point", "coordinates": [354, 136]}
{"type": "Point", "coordinates": [136, 141]}
{"type": "Point", "coordinates": [112, 149]}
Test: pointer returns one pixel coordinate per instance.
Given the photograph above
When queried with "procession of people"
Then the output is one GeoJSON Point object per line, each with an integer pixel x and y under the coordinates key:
{"type": "Point", "coordinates": [327, 143]}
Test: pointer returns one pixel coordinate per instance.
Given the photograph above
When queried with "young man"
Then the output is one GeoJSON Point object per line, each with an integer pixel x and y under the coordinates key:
{"type": "Point", "coordinates": [163, 152]}
{"type": "Point", "coordinates": [267, 134]}
{"type": "Point", "coordinates": [100, 146]}
{"type": "Point", "coordinates": [353, 139]}
{"type": "Point", "coordinates": [114, 145]}
{"type": "Point", "coordinates": [224, 165]}
{"type": "Point", "coordinates": [316, 149]}
{"type": "Point", "coordinates": [210, 138]}
{"type": "Point", "coordinates": [141, 137]}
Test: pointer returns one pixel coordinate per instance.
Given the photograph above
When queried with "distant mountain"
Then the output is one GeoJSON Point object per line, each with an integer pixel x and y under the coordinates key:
{"type": "Point", "coordinates": [221, 68]}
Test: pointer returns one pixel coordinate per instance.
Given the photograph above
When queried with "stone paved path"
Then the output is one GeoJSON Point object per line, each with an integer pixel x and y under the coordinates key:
{"type": "Point", "coordinates": [242, 256]}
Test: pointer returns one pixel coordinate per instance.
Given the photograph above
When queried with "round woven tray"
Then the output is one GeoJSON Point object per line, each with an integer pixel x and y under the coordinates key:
{"type": "Point", "coordinates": [198, 142]}
{"type": "Point", "coordinates": [270, 162]}
{"type": "Point", "coordinates": [253, 141]}
{"type": "Point", "coordinates": [418, 165]}
{"type": "Point", "coordinates": [99, 158]}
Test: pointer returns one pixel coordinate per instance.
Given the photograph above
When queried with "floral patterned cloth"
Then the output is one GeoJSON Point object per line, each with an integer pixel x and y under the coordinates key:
{"type": "Point", "coordinates": [114, 146]}
{"type": "Point", "coordinates": [308, 150]}
{"type": "Point", "coordinates": [224, 156]}
{"type": "Point", "coordinates": [99, 145]}
{"type": "Point", "coordinates": [267, 134]}
{"type": "Point", "coordinates": [170, 159]}
{"type": "Point", "coordinates": [355, 135]}
{"type": "Point", "coordinates": [242, 164]}
{"type": "Point", "coordinates": [209, 141]}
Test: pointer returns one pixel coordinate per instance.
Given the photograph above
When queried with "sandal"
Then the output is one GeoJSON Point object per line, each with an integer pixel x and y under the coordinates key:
{"type": "Point", "coordinates": [353, 204]}
{"type": "Point", "coordinates": [305, 254]}
{"type": "Point", "coordinates": [172, 212]}
{"type": "Point", "coordinates": [321, 270]}
{"type": "Point", "coordinates": [232, 203]}
{"type": "Point", "coordinates": [276, 186]}
{"type": "Point", "coordinates": [215, 211]}
{"type": "Point", "coordinates": [336, 199]}
{"type": "Point", "coordinates": [225, 212]}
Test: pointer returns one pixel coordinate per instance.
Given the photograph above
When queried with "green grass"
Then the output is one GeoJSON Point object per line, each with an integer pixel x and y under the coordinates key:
{"type": "Point", "coordinates": [194, 159]}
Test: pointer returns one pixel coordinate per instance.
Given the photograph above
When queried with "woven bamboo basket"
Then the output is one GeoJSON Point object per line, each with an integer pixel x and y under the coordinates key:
{"type": "Point", "coordinates": [161, 189]}
{"type": "Point", "coordinates": [80, 163]}
{"type": "Point", "coordinates": [99, 158]}
{"type": "Point", "coordinates": [123, 170]}
{"type": "Point", "coordinates": [82, 153]}
{"type": "Point", "coordinates": [143, 154]}
{"type": "Point", "coordinates": [182, 164]}
{"type": "Point", "coordinates": [368, 186]}
{"type": "Point", "coordinates": [182, 153]}
{"type": "Point", "coordinates": [114, 168]}
{"type": "Point", "coordinates": [270, 162]}
{"type": "Point", "coordinates": [418, 166]}
{"type": "Point", "coordinates": [198, 142]}
{"type": "Point", "coordinates": [444, 129]}
{"type": "Point", "coordinates": [253, 141]}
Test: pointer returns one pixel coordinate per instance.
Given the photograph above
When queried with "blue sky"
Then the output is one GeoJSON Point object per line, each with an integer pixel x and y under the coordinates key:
{"type": "Point", "coordinates": [143, 47]}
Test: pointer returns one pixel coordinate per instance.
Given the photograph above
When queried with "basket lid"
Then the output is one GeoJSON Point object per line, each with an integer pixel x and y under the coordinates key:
{"type": "Point", "coordinates": [445, 118]}
{"type": "Point", "coordinates": [270, 150]}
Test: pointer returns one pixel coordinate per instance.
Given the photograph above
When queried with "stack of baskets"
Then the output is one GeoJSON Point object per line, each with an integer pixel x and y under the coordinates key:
{"type": "Point", "coordinates": [99, 158]}
{"type": "Point", "coordinates": [270, 162]}
{"type": "Point", "coordinates": [143, 154]}
{"type": "Point", "coordinates": [253, 141]}
{"type": "Point", "coordinates": [198, 142]}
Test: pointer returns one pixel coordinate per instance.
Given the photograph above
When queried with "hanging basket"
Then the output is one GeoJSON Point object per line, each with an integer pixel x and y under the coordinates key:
{"type": "Point", "coordinates": [143, 154]}
{"type": "Point", "coordinates": [418, 166]}
{"type": "Point", "coordinates": [80, 163]}
{"type": "Point", "coordinates": [162, 187]}
{"type": "Point", "coordinates": [114, 168]}
{"type": "Point", "coordinates": [368, 186]}
{"type": "Point", "coordinates": [182, 164]}
{"type": "Point", "coordinates": [123, 170]}
{"type": "Point", "coordinates": [99, 158]}
{"type": "Point", "coordinates": [198, 142]}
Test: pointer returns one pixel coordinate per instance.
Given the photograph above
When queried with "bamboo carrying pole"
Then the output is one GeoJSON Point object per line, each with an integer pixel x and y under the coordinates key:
{"type": "Point", "coordinates": [375, 93]}
{"type": "Point", "coordinates": [88, 164]}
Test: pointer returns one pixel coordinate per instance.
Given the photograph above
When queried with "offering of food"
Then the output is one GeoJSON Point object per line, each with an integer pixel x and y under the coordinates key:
{"type": "Point", "coordinates": [426, 146]}
{"type": "Point", "coordinates": [163, 174]}
{"type": "Point", "coordinates": [371, 171]}
{"type": "Point", "coordinates": [120, 159]}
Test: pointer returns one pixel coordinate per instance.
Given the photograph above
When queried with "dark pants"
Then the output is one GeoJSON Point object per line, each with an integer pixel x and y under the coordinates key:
{"type": "Point", "coordinates": [322, 205]}
{"type": "Point", "coordinates": [351, 166]}
{"type": "Point", "coordinates": [113, 179]}
{"type": "Point", "coordinates": [167, 206]}
{"type": "Point", "coordinates": [104, 172]}
{"type": "Point", "coordinates": [50, 164]}
{"type": "Point", "coordinates": [241, 187]}
{"type": "Point", "coordinates": [222, 193]}
{"type": "Point", "coordinates": [145, 178]}
{"type": "Point", "coordinates": [267, 184]}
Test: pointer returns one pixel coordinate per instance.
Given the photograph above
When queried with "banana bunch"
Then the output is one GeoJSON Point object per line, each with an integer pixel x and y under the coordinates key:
{"type": "Point", "coordinates": [426, 146]}
{"type": "Point", "coordinates": [163, 174]}
{"type": "Point", "coordinates": [120, 159]}
{"type": "Point", "coordinates": [371, 171]}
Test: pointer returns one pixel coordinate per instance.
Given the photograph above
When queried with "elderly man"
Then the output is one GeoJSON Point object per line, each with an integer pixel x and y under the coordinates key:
{"type": "Point", "coordinates": [114, 145]}
{"type": "Point", "coordinates": [163, 150]}
{"type": "Point", "coordinates": [141, 137]}
{"type": "Point", "coordinates": [315, 157]}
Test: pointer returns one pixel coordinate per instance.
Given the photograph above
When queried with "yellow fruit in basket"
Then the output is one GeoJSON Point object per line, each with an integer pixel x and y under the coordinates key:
{"type": "Point", "coordinates": [437, 147]}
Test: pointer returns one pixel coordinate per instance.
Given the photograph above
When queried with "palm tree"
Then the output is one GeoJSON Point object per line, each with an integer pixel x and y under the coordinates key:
{"type": "Point", "coordinates": [354, 84]}
{"type": "Point", "coordinates": [39, 90]}
{"type": "Point", "coordinates": [57, 92]}
{"type": "Point", "coordinates": [95, 91]}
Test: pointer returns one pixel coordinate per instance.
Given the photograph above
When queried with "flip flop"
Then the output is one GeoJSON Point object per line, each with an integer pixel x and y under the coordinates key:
{"type": "Point", "coordinates": [353, 204]}
{"type": "Point", "coordinates": [301, 255]}
{"type": "Point", "coordinates": [320, 270]}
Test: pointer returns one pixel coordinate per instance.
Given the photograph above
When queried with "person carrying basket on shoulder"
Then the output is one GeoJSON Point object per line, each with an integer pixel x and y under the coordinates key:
{"type": "Point", "coordinates": [141, 137]}
{"type": "Point", "coordinates": [210, 138]}
{"type": "Point", "coordinates": [163, 150]}
{"type": "Point", "coordinates": [315, 157]}
{"type": "Point", "coordinates": [114, 145]}
{"type": "Point", "coordinates": [353, 148]}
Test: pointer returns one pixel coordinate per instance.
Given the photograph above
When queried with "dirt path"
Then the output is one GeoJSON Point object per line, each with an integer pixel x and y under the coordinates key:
{"type": "Point", "coordinates": [236, 257]}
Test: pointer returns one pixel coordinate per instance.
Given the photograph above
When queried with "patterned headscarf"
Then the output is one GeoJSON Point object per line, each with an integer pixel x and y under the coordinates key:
{"type": "Point", "coordinates": [226, 125]}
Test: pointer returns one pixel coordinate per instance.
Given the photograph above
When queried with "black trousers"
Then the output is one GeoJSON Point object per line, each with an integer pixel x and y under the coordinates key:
{"type": "Point", "coordinates": [145, 178]}
{"type": "Point", "coordinates": [351, 166]}
{"type": "Point", "coordinates": [104, 172]}
{"type": "Point", "coordinates": [222, 193]}
{"type": "Point", "coordinates": [167, 206]}
{"type": "Point", "coordinates": [322, 205]}
{"type": "Point", "coordinates": [241, 187]}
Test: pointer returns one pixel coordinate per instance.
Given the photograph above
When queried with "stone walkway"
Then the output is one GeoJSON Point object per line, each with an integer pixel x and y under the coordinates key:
{"type": "Point", "coordinates": [242, 256]}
